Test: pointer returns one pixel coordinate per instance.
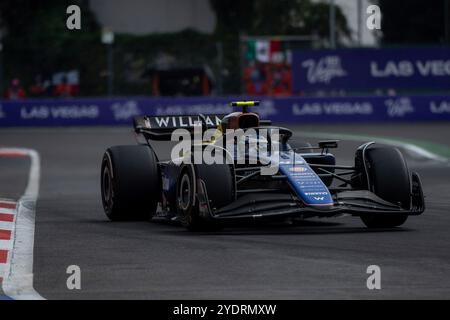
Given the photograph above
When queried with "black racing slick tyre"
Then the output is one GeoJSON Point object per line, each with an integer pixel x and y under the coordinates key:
{"type": "Point", "coordinates": [218, 180]}
{"type": "Point", "coordinates": [390, 180]}
{"type": "Point", "coordinates": [130, 183]}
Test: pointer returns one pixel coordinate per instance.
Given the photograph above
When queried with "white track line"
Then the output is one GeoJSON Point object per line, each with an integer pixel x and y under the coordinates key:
{"type": "Point", "coordinates": [18, 282]}
{"type": "Point", "coordinates": [410, 147]}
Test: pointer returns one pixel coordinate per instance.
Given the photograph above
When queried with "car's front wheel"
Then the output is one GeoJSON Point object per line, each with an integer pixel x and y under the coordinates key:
{"type": "Point", "coordinates": [217, 179]}
{"type": "Point", "coordinates": [390, 180]}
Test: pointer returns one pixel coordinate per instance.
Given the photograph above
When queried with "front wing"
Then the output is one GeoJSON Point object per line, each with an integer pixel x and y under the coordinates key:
{"type": "Point", "coordinates": [273, 205]}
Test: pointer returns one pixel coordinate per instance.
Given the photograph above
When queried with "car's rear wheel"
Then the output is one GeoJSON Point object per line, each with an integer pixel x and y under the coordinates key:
{"type": "Point", "coordinates": [218, 180]}
{"type": "Point", "coordinates": [130, 183]}
{"type": "Point", "coordinates": [390, 180]}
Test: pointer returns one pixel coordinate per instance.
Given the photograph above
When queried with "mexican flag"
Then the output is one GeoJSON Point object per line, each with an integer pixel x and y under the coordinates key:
{"type": "Point", "coordinates": [263, 50]}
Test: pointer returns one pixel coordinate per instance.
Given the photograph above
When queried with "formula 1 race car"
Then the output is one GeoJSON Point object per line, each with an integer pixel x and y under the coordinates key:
{"type": "Point", "coordinates": [203, 195]}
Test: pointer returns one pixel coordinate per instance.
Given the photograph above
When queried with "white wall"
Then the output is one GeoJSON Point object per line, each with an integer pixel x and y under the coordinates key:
{"type": "Point", "coordinates": [350, 9]}
{"type": "Point", "coordinates": [148, 16]}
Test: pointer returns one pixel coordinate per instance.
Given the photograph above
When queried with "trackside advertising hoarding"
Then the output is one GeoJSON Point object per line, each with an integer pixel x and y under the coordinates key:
{"type": "Point", "coordinates": [369, 69]}
{"type": "Point", "coordinates": [81, 112]}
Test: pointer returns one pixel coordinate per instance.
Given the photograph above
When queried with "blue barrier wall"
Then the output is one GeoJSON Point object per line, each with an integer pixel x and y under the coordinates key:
{"type": "Point", "coordinates": [365, 69]}
{"type": "Point", "coordinates": [105, 111]}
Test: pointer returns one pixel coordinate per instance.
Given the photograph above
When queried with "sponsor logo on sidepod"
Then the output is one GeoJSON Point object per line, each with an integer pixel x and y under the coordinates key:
{"type": "Point", "coordinates": [297, 169]}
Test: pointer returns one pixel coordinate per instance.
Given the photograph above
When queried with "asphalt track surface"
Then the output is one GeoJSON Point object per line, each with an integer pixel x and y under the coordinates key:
{"type": "Point", "coordinates": [319, 259]}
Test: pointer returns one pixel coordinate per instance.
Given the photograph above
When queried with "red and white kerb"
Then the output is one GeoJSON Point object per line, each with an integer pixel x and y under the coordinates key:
{"type": "Point", "coordinates": [8, 211]}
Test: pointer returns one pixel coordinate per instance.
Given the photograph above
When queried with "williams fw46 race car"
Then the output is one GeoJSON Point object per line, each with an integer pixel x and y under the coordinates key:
{"type": "Point", "coordinates": [256, 175]}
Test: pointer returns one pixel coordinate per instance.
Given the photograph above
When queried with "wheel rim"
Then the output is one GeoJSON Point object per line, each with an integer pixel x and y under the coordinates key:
{"type": "Point", "coordinates": [185, 192]}
{"type": "Point", "coordinates": [107, 187]}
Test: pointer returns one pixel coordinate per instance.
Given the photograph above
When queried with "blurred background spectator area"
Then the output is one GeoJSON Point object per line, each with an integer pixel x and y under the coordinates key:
{"type": "Point", "coordinates": [192, 47]}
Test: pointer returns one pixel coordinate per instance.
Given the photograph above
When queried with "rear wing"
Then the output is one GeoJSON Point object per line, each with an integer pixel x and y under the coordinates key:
{"type": "Point", "coordinates": [161, 127]}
